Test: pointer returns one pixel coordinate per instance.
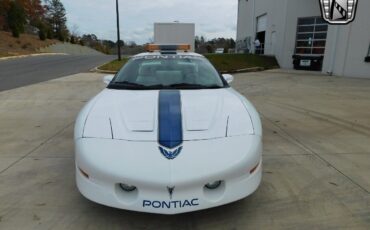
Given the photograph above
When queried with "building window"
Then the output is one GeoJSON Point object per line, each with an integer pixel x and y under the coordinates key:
{"type": "Point", "coordinates": [367, 59]}
{"type": "Point", "coordinates": [311, 36]}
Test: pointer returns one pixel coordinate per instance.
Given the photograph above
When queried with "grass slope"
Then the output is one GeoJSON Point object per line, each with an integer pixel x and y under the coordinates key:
{"type": "Point", "coordinates": [114, 65]}
{"type": "Point", "coordinates": [233, 62]}
{"type": "Point", "coordinates": [25, 44]}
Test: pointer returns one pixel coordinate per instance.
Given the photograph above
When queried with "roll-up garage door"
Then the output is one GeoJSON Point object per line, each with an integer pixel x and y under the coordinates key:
{"type": "Point", "coordinates": [262, 23]}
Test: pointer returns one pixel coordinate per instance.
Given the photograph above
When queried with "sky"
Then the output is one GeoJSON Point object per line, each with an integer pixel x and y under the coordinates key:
{"type": "Point", "coordinates": [212, 18]}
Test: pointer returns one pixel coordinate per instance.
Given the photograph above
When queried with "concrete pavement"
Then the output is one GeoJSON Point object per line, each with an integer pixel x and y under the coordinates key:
{"type": "Point", "coordinates": [316, 158]}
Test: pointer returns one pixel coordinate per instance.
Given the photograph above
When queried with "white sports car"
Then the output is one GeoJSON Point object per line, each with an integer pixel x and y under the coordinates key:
{"type": "Point", "coordinates": [168, 135]}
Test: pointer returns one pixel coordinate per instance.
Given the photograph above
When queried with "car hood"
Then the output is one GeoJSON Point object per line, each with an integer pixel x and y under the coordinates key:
{"type": "Point", "coordinates": [135, 115]}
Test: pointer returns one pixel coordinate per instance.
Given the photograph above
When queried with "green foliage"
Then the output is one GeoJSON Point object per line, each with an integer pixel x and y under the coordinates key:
{"type": "Point", "coordinates": [34, 11]}
{"type": "Point", "coordinates": [101, 48]}
{"type": "Point", "coordinates": [42, 30]}
{"type": "Point", "coordinates": [111, 45]}
{"type": "Point", "coordinates": [232, 62]}
{"type": "Point", "coordinates": [122, 43]}
{"type": "Point", "coordinates": [16, 18]}
{"type": "Point", "coordinates": [4, 8]}
{"type": "Point", "coordinates": [73, 39]}
{"type": "Point", "coordinates": [57, 19]}
{"type": "Point", "coordinates": [208, 46]}
{"type": "Point", "coordinates": [61, 36]}
{"type": "Point", "coordinates": [16, 32]}
{"type": "Point", "coordinates": [91, 40]}
{"type": "Point", "coordinates": [50, 18]}
{"type": "Point", "coordinates": [114, 65]}
{"type": "Point", "coordinates": [49, 33]}
{"type": "Point", "coordinates": [42, 35]}
{"type": "Point", "coordinates": [209, 49]}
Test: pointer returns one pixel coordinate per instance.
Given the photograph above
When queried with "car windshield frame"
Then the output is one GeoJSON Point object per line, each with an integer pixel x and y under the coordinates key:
{"type": "Point", "coordinates": [170, 72]}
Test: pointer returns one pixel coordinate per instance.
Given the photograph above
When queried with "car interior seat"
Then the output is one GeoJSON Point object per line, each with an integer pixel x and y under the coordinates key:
{"type": "Point", "coordinates": [147, 75]}
{"type": "Point", "coordinates": [169, 77]}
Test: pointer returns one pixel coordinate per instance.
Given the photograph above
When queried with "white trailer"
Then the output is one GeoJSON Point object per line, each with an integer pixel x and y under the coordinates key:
{"type": "Point", "coordinates": [175, 33]}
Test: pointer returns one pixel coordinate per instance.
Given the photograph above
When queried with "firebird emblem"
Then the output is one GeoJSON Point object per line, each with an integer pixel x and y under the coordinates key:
{"type": "Point", "coordinates": [170, 191]}
{"type": "Point", "coordinates": [170, 154]}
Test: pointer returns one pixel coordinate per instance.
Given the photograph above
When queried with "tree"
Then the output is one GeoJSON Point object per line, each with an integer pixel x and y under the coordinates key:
{"type": "Point", "coordinates": [42, 35]}
{"type": "Point", "coordinates": [121, 43]}
{"type": "Point", "coordinates": [73, 39]}
{"type": "Point", "coordinates": [34, 11]}
{"type": "Point", "coordinates": [56, 17]}
{"type": "Point", "coordinates": [42, 31]}
{"type": "Point", "coordinates": [49, 32]}
{"type": "Point", "coordinates": [16, 18]}
{"type": "Point", "coordinates": [131, 44]}
{"type": "Point", "coordinates": [197, 42]}
{"type": "Point", "coordinates": [111, 45]}
{"type": "Point", "coordinates": [75, 31]}
{"type": "Point", "coordinates": [50, 19]}
{"type": "Point", "coordinates": [209, 49]}
{"type": "Point", "coordinates": [4, 8]}
{"type": "Point", "coordinates": [89, 39]}
{"type": "Point", "coordinates": [202, 40]}
{"type": "Point", "coordinates": [232, 43]}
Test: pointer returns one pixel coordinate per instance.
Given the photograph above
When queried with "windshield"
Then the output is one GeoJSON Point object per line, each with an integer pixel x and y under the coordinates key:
{"type": "Point", "coordinates": [168, 72]}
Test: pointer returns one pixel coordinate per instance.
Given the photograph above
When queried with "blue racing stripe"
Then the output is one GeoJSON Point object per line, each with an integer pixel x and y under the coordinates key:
{"type": "Point", "coordinates": [169, 119]}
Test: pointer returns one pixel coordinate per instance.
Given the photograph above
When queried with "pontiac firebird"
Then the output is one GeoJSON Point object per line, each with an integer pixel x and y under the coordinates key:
{"type": "Point", "coordinates": [168, 135]}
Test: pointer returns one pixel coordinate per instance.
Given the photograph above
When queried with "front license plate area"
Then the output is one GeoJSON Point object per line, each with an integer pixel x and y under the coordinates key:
{"type": "Point", "coordinates": [172, 204]}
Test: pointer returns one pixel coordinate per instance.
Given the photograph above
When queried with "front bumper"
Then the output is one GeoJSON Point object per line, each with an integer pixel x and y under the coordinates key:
{"type": "Point", "coordinates": [104, 166]}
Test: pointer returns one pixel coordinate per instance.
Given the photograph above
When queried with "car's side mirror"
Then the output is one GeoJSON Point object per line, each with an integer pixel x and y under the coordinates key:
{"type": "Point", "coordinates": [107, 79]}
{"type": "Point", "coordinates": [228, 78]}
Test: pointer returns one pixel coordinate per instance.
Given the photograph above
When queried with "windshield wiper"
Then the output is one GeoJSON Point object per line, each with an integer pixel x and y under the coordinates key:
{"type": "Point", "coordinates": [193, 86]}
{"type": "Point", "coordinates": [133, 85]}
{"type": "Point", "coordinates": [127, 83]}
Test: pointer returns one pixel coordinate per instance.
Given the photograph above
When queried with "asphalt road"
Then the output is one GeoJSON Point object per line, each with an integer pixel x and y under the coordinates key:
{"type": "Point", "coordinates": [15, 73]}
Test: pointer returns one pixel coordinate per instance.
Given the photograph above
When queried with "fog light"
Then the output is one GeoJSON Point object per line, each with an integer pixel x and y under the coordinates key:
{"type": "Point", "coordinates": [127, 188]}
{"type": "Point", "coordinates": [213, 185]}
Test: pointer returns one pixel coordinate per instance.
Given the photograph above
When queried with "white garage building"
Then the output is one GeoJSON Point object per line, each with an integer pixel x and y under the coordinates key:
{"type": "Point", "coordinates": [295, 28]}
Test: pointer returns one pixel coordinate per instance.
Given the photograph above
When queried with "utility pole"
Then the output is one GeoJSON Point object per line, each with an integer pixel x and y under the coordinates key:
{"type": "Point", "coordinates": [118, 33]}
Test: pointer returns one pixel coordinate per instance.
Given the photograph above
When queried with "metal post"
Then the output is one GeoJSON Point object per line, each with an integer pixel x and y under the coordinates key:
{"type": "Point", "coordinates": [118, 33]}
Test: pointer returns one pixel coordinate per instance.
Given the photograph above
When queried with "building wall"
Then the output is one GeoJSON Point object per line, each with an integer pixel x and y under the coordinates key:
{"type": "Point", "coordinates": [345, 57]}
{"type": "Point", "coordinates": [245, 21]}
{"type": "Point", "coordinates": [248, 13]}
{"type": "Point", "coordinates": [296, 9]}
{"type": "Point", "coordinates": [175, 33]}
{"type": "Point", "coordinates": [282, 16]}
